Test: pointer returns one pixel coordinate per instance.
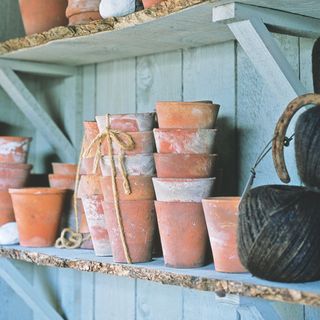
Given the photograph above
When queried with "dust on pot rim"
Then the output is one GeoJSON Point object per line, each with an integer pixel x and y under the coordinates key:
{"type": "Point", "coordinates": [222, 199]}
{"type": "Point", "coordinates": [183, 190]}
{"type": "Point", "coordinates": [64, 168]}
{"type": "Point", "coordinates": [37, 191]}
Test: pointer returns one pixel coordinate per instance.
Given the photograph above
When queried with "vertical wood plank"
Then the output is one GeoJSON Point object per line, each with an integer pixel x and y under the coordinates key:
{"type": "Point", "coordinates": [209, 74]}
{"type": "Point", "coordinates": [114, 298]}
{"type": "Point", "coordinates": [306, 46]}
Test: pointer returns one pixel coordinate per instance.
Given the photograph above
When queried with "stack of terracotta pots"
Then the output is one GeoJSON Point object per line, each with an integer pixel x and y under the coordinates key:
{"type": "Point", "coordinates": [14, 172]}
{"type": "Point", "coordinates": [136, 208]}
{"type": "Point", "coordinates": [185, 165]}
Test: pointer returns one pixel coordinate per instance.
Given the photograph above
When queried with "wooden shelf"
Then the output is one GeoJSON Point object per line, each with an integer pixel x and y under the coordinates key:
{"type": "Point", "coordinates": [205, 278]}
{"type": "Point", "coordinates": [174, 24]}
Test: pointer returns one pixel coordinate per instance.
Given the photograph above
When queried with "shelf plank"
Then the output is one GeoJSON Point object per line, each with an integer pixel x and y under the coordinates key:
{"type": "Point", "coordinates": [205, 278]}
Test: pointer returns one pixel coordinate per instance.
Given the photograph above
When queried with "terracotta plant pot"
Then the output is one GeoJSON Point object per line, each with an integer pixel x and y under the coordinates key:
{"type": "Point", "coordinates": [150, 3]}
{"type": "Point", "coordinates": [14, 149]}
{"type": "Point", "coordinates": [187, 115]}
{"type": "Point", "coordinates": [183, 232]}
{"type": "Point", "coordinates": [64, 168]}
{"type": "Point", "coordinates": [37, 212]}
{"type": "Point", "coordinates": [136, 165]}
{"type": "Point", "coordinates": [139, 221]}
{"type": "Point", "coordinates": [144, 143]}
{"type": "Point", "coordinates": [6, 208]}
{"type": "Point", "coordinates": [90, 132]}
{"type": "Point", "coordinates": [183, 190]}
{"type": "Point", "coordinates": [14, 175]}
{"type": "Point", "coordinates": [133, 122]}
{"type": "Point", "coordinates": [221, 216]}
{"type": "Point", "coordinates": [89, 185]}
{"type": "Point", "coordinates": [61, 181]}
{"type": "Point", "coordinates": [172, 165]}
{"type": "Point", "coordinates": [96, 222]}
{"type": "Point", "coordinates": [141, 187]}
{"type": "Point", "coordinates": [86, 167]}
{"type": "Point", "coordinates": [185, 140]}
{"type": "Point", "coordinates": [82, 11]}
{"type": "Point", "coordinates": [39, 16]}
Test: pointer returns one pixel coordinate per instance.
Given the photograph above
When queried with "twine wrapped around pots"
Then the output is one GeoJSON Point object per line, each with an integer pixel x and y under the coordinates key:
{"type": "Point", "coordinates": [278, 233]}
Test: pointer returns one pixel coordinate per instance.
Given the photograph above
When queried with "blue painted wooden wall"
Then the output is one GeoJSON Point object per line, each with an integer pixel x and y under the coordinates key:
{"type": "Point", "coordinates": [220, 72]}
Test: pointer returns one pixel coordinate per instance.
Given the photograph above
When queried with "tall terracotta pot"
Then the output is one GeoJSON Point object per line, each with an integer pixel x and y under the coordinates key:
{"type": "Point", "coordinates": [82, 11]}
{"type": "Point", "coordinates": [39, 15]}
{"type": "Point", "coordinates": [37, 212]}
{"type": "Point", "coordinates": [139, 222]}
{"type": "Point", "coordinates": [14, 149]}
{"type": "Point", "coordinates": [221, 214]}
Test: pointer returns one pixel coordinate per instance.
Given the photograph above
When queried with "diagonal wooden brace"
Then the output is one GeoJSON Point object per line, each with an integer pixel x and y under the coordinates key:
{"type": "Point", "coordinates": [26, 102]}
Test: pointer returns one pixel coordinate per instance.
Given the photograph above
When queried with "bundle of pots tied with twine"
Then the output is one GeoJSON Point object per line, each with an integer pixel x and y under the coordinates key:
{"type": "Point", "coordinates": [278, 234]}
{"type": "Point", "coordinates": [14, 173]}
{"type": "Point", "coordinates": [185, 165]}
{"type": "Point", "coordinates": [125, 147]}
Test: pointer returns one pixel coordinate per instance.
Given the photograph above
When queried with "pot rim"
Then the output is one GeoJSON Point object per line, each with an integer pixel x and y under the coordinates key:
{"type": "Point", "coordinates": [222, 199]}
{"type": "Point", "coordinates": [38, 191]}
{"type": "Point", "coordinates": [127, 114]}
{"type": "Point", "coordinates": [182, 203]}
{"type": "Point", "coordinates": [12, 165]}
{"type": "Point", "coordinates": [186, 103]}
{"type": "Point", "coordinates": [191, 155]}
{"type": "Point", "coordinates": [62, 176]}
{"type": "Point", "coordinates": [15, 138]}
{"type": "Point", "coordinates": [182, 179]}
{"type": "Point", "coordinates": [63, 163]}
{"type": "Point", "coordinates": [159, 130]}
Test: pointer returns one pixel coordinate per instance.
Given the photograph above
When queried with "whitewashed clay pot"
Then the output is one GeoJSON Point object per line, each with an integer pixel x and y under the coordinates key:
{"type": "Point", "coordinates": [116, 8]}
{"type": "Point", "coordinates": [131, 122]}
{"type": "Point", "coordinates": [9, 234]}
{"type": "Point", "coordinates": [185, 140]}
{"type": "Point", "coordinates": [14, 149]}
{"type": "Point", "coordinates": [136, 165]}
{"type": "Point", "coordinates": [183, 190]}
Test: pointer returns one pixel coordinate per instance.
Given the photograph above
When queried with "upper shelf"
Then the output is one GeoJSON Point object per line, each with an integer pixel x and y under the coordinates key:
{"type": "Point", "coordinates": [174, 24]}
{"type": "Point", "coordinates": [205, 278]}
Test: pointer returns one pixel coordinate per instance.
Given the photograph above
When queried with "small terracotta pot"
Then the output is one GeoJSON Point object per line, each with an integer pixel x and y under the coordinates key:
{"type": "Point", "coordinates": [90, 132]}
{"type": "Point", "coordinates": [87, 167]}
{"type": "Point", "coordinates": [185, 140]}
{"type": "Point", "coordinates": [89, 185]}
{"type": "Point", "coordinates": [64, 168]}
{"type": "Point", "coordinates": [221, 216]}
{"type": "Point", "coordinates": [14, 175]}
{"type": "Point", "coordinates": [183, 233]}
{"type": "Point", "coordinates": [39, 16]}
{"type": "Point", "coordinates": [82, 11]}
{"type": "Point", "coordinates": [187, 115]}
{"type": "Point", "coordinates": [141, 187]}
{"type": "Point", "coordinates": [6, 208]}
{"type": "Point", "coordinates": [139, 220]}
{"type": "Point", "coordinates": [150, 3]}
{"type": "Point", "coordinates": [183, 190]}
{"type": "Point", "coordinates": [14, 149]}
{"type": "Point", "coordinates": [37, 212]}
{"type": "Point", "coordinates": [97, 225]}
{"type": "Point", "coordinates": [144, 143]}
{"type": "Point", "coordinates": [136, 165]}
{"type": "Point", "coordinates": [172, 165]}
{"type": "Point", "coordinates": [61, 181]}
{"type": "Point", "coordinates": [133, 122]}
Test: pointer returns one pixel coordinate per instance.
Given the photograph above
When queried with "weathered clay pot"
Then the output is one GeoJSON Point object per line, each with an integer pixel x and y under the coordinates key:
{"type": "Point", "coordinates": [187, 115]}
{"type": "Point", "coordinates": [89, 185]}
{"type": "Point", "coordinates": [87, 167]}
{"type": "Point", "coordinates": [141, 187]}
{"type": "Point", "coordinates": [144, 143]}
{"type": "Point", "coordinates": [6, 209]}
{"type": "Point", "coordinates": [90, 132]}
{"type": "Point", "coordinates": [82, 11]}
{"type": "Point", "coordinates": [37, 212]}
{"type": "Point", "coordinates": [39, 16]}
{"type": "Point", "coordinates": [183, 190]}
{"type": "Point", "coordinates": [172, 165]}
{"type": "Point", "coordinates": [62, 181]}
{"type": "Point", "coordinates": [183, 233]}
{"type": "Point", "coordinates": [14, 175]}
{"type": "Point", "coordinates": [64, 168]}
{"type": "Point", "coordinates": [185, 140]}
{"type": "Point", "coordinates": [150, 3]}
{"type": "Point", "coordinates": [84, 228]}
{"type": "Point", "coordinates": [139, 221]}
{"type": "Point", "coordinates": [221, 214]}
{"type": "Point", "coordinates": [136, 165]}
{"type": "Point", "coordinates": [14, 149]}
{"type": "Point", "coordinates": [133, 122]}
{"type": "Point", "coordinates": [96, 222]}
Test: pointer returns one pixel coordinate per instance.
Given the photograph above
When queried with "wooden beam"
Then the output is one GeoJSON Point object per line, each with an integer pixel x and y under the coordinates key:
{"type": "Point", "coordinates": [268, 59]}
{"type": "Point", "coordinates": [45, 69]}
{"type": "Point", "coordinates": [277, 21]}
{"type": "Point", "coordinates": [26, 102]}
{"type": "Point", "coordinates": [23, 288]}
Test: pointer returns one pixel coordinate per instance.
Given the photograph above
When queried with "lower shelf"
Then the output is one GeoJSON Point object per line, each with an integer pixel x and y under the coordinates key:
{"type": "Point", "coordinates": [205, 278]}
